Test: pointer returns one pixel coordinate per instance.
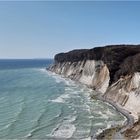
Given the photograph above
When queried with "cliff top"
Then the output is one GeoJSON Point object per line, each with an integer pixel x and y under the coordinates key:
{"type": "Point", "coordinates": [120, 59]}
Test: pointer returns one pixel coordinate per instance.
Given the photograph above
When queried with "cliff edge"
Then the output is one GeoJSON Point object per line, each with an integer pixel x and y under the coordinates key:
{"type": "Point", "coordinates": [112, 70]}
{"type": "Point", "coordinates": [118, 58]}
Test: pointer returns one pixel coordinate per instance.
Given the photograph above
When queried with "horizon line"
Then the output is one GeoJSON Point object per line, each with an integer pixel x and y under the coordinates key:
{"type": "Point", "coordinates": [25, 58]}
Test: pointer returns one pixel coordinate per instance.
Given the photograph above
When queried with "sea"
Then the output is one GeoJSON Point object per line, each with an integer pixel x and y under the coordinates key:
{"type": "Point", "coordinates": [38, 104]}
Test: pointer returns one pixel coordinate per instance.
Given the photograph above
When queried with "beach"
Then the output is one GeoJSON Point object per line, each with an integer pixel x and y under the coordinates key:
{"type": "Point", "coordinates": [116, 132]}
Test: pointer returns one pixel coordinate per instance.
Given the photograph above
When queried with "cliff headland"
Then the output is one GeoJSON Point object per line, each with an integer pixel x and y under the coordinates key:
{"type": "Point", "coordinates": [113, 70]}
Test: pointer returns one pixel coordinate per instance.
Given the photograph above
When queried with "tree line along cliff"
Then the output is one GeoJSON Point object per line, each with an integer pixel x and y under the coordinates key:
{"type": "Point", "coordinates": [121, 60]}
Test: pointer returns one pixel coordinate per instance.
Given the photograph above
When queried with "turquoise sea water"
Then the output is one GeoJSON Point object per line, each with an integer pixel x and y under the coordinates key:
{"type": "Point", "coordinates": [38, 104]}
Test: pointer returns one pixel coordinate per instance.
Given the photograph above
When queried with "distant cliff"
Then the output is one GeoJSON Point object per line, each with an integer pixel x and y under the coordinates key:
{"type": "Point", "coordinates": [112, 70]}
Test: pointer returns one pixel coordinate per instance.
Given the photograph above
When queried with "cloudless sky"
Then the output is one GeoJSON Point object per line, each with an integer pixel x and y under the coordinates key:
{"type": "Point", "coordinates": [42, 29]}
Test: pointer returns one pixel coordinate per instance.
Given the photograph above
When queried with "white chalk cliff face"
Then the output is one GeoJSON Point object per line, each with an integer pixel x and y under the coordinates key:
{"type": "Point", "coordinates": [94, 74]}
{"type": "Point", "coordinates": [125, 92]}
{"type": "Point", "coordinates": [113, 70]}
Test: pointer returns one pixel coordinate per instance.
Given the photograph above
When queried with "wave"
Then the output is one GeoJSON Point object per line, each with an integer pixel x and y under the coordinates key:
{"type": "Point", "coordinates": [57, 77]}
{"type": "Point", "coordinates": [7, 126]}
{"type": "Point", "coordinates": [14, 119]}
{"type": "Point", "coordinates": [58, 131]}
{"type": "Point", "coordinates": [61, 98]}
{"type": "Point", "coordinates": [39, 127]}
{"type": "Point", "coordinates": [44, 113]}
{"type": "Point", "coordinates": [65, 129]}
{"type": "Point", "coordinates": [82, 105]}
{"type": "Point", "coordinates": [73, 92]}
{"type": "Point", "coordinates": [60, 78]}
{"type": "Point", "coordinates": [12, 116]}
{"type": "Point", "coordinates": [7, 105]}
{"type": "Point", "coordinates": [42, 70]}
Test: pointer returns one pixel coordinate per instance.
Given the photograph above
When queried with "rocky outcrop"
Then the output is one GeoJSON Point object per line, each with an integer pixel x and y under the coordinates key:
{"type": "Point", "coordinates": [133, 133]}
{"type": "Point", "coordinates": [112, 70]}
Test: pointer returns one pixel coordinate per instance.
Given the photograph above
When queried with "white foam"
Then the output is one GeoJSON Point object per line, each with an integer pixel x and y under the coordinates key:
{"type": "Point", "coordinates": [89, 138]}
{"type": "Point", "coordinates": [42, 70]}
{"type": "Point", "coordinates": [68, 89]}
{"type": "Point", "coordinates": [98, 124]}
{"type": "Point", "coordinates": [66, 129]}
{"type": "Point", "coordinates": [28, 135]}
{"type": "Point", "coordinates": [58, 100]}
{"type": "Point", "coordinates": [61, 99]}
{"type": "Point", "coordinates": [105, 116]}
{"type": "Point", "coordinates": [70, 119]}
{"type": "Point", "coordinates": [108, 112]}
{"type": "Point", "coordinates": [58, 80]}
{"type": "Point", "coordinates": [108, 125]}
{"type": "Point", "coordinates": [57, 77]}
{"type": "Point", "coordinates": [74, 94]}
{"type": "Point", "coordinates": [5, 127]}
{"type": "Point", "coordinates": [91, 117]}
{"type": "Point", "coordinates": [99, 131]}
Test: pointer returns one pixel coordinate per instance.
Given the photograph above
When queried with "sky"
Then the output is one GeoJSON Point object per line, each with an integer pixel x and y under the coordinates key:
{"type": "Point", "coordinates": [41, 29]}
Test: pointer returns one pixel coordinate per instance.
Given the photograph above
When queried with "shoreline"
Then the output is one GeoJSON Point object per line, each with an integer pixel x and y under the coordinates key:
{"type": "Point", "coordinates": [106, 70]}
{"type": "Point", "coordinates": [115, 132]}
{"type": "Point", "coordinates": [116, 129]}
{"type": "Point", "coordinates": [119, 129]}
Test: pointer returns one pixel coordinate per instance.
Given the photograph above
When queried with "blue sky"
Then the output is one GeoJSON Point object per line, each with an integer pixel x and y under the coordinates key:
{"type": "Point", "coordinates": [42, 29]}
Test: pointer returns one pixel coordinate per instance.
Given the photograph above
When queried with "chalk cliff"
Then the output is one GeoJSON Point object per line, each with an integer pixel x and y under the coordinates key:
{"type": "Point", "coordinates": [94, 74]}
{"type": "Point", "coordinates": [113, 70]}
{"type": "Point", "coordinates": [126, 93]}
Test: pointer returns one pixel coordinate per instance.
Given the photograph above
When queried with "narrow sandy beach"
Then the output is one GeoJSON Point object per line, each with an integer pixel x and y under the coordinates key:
{"type": "Point", "coordinates": [115, 133]}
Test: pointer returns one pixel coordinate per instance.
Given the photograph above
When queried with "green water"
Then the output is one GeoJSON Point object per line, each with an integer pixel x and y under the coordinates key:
{"type": "Point", "coordinates": [38, 104]}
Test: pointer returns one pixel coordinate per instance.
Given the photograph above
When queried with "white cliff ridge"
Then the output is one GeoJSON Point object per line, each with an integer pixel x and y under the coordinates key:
{"type": "Point", "coordinates": [94, 74]}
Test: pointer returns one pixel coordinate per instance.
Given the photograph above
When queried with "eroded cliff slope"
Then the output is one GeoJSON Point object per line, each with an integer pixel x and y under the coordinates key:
{"type": "Point", "coordinates": [112, 70]}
